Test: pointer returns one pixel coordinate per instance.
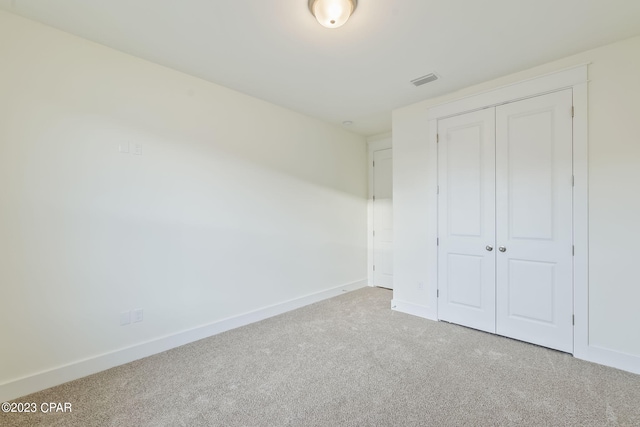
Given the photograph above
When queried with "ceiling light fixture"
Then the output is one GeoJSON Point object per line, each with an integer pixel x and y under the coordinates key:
{"type": "Point", "coordinates": [332, 13]}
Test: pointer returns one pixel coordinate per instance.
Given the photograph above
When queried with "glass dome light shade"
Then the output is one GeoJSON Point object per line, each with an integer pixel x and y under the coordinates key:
{"type": "Point", "coordinates": [332, 13]}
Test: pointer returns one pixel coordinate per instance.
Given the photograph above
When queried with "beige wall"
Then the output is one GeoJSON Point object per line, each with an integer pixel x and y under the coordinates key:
{"type": "Point", "coordinates": [234, 205]}
{"type": "Point", "coordinates": [614, 206]}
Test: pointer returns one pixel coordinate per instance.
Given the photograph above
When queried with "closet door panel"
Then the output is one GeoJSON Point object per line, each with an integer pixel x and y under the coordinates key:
{"type": "Point", "coordinates": [534, 216]}
{"type": "Point", "coordinates": [466, 221]}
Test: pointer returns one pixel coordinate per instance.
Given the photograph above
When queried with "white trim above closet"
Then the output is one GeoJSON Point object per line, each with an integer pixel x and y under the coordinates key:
{"type": "Point", "coordinates": [552, 82]}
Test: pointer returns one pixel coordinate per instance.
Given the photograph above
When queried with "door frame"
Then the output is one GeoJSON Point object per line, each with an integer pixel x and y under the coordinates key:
{"type": "Point", "coordinates": [574, 78]}
{"type": "Point", "coordinates": [374, 143]}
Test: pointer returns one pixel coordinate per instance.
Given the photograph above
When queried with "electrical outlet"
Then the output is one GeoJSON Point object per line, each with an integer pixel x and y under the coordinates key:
{"type": "Point", "coordinates": [138, 315]}
{"type": "Point", "coordinates": [137, 149]}
{"type": "Point", "coordinates": [125, 318]}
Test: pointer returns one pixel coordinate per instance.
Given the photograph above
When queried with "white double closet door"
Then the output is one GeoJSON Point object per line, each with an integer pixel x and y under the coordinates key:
{"type": "Point", "coordinates": [505, 253]}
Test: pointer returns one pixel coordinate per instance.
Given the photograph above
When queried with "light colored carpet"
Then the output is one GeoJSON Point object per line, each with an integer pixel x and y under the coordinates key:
{"type": "Point", "coordinates": [348, 361]}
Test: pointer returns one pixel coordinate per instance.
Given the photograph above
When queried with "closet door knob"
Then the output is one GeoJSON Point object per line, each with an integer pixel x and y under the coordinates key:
{"type": "Point", "coordinates": [489, 248]}
{"type": "Point", "coordinates": [502, 249]}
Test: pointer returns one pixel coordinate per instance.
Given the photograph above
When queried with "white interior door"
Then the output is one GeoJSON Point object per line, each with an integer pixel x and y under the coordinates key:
{"type": "Point", "coordinates": [383, 219]}
{"type": "Point", "coordinates": [466, 220]}
{"type": "Point", "coordinates": [534, 215]}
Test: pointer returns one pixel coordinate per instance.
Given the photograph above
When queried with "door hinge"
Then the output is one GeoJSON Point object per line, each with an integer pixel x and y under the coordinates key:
{"type": "Point", "coordinates": [437, 293]}
{"type": "Point", "coordinates": [437, 138]}
{"type": "Point", "coordinates": [573, 250]}
{"type": "Point", "coordinates": [573, 111]}
{"type": "Point", "coordinates": [374, 163]}
{"type": "Point", "coordinates": [374, 198]}
{"type": "Point", "coordinates": [437, 241]}
{"type": "Point", "coordinates": [573, 319]}
{"type": "Point", "coordinates": [438, 192]}
{"type": "Point", "coordinates": [374, 268]}
{"type": "Point", "coordinates": [573, 180]}
{"type": "Point", "coordinates": [374, 233]}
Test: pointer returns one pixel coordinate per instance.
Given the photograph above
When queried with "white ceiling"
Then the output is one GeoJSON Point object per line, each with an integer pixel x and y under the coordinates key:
{"type": "Point", "coordinates": [276, 51]}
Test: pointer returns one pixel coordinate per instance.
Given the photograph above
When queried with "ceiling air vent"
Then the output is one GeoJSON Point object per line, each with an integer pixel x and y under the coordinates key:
{"type": "Point", "coordinates": [424, 79]}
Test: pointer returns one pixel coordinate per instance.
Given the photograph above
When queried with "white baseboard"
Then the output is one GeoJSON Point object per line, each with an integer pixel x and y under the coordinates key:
{"type": "Point", "coordinates": [612, 358]}
{"type": "Point", "coordinates": [81, 368]}
{"type": "Point", "coordinates": [414, 309]}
